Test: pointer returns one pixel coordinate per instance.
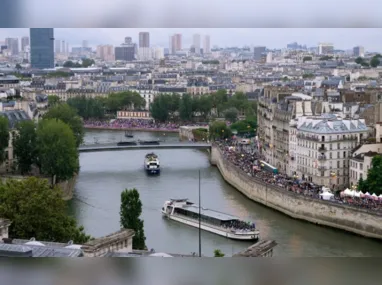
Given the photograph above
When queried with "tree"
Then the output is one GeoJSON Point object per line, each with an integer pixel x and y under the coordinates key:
{"type": "Point", "coordinates": [69, 116]}
{"type": "Point", "coordinates": [25, 146]}
{"type": "Point", "coordinates": [186, 107]}
{"type": "Point", "coordinates": [53, 100]}
{"type": "Point", "coordinates": [307, 58]}
{"type": "Point", "coordinates": [219, 130]}
{"type": "Point", "coordinates": [57, 150]}
{"type": "Point", "coordinates": [308, 75]}
{"type": "Point", "coordinates": [38, 211]}
{"type": "Point", "coordinates": [4, 137]}
{"type": "Point", "coordinates": [359, 60]}
{"type": "Point", "coordinates": [374, 62]}
{"type": "Point", "coordinates": [244, 126]}
{"type": "Point", "coordinates": [159, 108]}
{"type": "Point", "coordinates": [204, 106]}
{"type": "Point", "coordinates": [219, 100]}
{"type": "Point", "coordinates": [86, 62]}
{"type": "Point", "coordinates": [88, 107]}
{"type": "Point", "coordinates": [218, 253]}
{"type": "Point", "coordinates": [131, 210]}
{"type": "Point", "coordinates": [231, 114]}
{"type": "Point", "coordinates": [373, 183]}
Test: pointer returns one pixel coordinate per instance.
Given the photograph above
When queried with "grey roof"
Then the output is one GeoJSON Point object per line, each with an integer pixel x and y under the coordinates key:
{"type": "Point", "coordinates": [13, 250]}
{"type": "Point", "coordinates": [15, 116]}
{"type": "Point", "coordinates": [328, 124]}
{"type": "Point", "coordinates": [210, 213]}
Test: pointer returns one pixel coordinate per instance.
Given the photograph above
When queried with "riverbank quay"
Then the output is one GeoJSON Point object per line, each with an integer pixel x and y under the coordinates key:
{"type": "Point", "coordinates": [158, 130]}
{"type": "Point", "coordinates": [364, 222]}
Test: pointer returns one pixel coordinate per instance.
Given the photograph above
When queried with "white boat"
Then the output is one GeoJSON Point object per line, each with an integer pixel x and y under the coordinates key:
{"type": "Point", "coordinates": [152, 165]}
{"type": "Point", "coordinates": [185, 212]}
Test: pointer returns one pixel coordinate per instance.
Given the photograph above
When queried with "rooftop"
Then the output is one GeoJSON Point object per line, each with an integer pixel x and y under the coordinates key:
{"type": "Point", "coordinates": [14, 250]}
{"type": "Point", "coordinates": [14, 116]}
{"type": "Point", "coordinates": [210, 213]}
{"type": "Point", "coordinates": [328, 123]}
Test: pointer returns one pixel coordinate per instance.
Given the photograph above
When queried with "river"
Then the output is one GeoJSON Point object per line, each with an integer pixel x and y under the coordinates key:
{"type": "Point", "coordinates": [104, 175]}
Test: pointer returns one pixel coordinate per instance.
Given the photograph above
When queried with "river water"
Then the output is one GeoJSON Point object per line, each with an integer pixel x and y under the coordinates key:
{"type": "Point", "coordinates": [104, 175]}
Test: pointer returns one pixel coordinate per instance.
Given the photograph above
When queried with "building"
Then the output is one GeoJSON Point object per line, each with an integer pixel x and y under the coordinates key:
{"type": "Point", "coordinates": [13, 45]}
{"type": "Point", "coordinates": [206, 45]}
{"type": "Point", "coordinates": [57, 46]}
{"type": "Point", "coordinates": [196, 43]}
{"type": "Point", "coordinates": [105, 52]}
{"type": "Point", "coordinates": [42, 47]}
{"type": "Point", "coordinates": [144, 40]}
{"type": "Point", "coordinates": [176, 43]}
{"type": "Point", "coordinates": [324, 147]}
{"type": "Point", "coordinates": [359, 51]}
{"type": "Point", "coordinates": [258, 52]}
{"type": "Point", "coordinates": [24, 43]}
{"type": "Point", "coordinates": [269, 57]}
{"type": "Point", "coordinates": [63, 47]}
{"type": "Point", "coordinates": [125, 53]}
{"type": "Point", "coordinates": [128, 40]}
{"type": "Point", "coordinates": [325, 48]}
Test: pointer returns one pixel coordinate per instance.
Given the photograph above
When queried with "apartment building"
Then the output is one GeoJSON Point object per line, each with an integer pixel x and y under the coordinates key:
{"type": "Point", "coordinates": [323, 148]}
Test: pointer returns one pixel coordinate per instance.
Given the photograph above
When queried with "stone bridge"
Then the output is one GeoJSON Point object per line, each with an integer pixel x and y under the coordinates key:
{"type": "Point", "coordinates": [115, 147]}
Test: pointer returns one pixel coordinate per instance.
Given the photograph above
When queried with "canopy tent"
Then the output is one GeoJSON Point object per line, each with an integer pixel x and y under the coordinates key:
{"type": "Point", "coordinates": [380, 196]}
{"type": "Point", "coordinates": [348, 192]}
{"type": "Point", "coordinates": [326, 195]}
{"type": "Point", "coordinates": [357, 194]}
{"type": "Point", "coordinates": [375, 197]}
{"type": "Point", "coordinates": [367, 194]}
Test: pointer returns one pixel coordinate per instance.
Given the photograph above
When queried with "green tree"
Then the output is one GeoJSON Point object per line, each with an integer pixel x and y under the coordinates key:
{"type": "Point", "coordinates": [87, 107]}
{"type": "Point", "coordinates": [159, 107]}
{"type": "Point", "coordinates": [38, 211]}
{"type": "Point", "coordinates": [219, 130]}
{"type": "Point", "coordinates": [219, 101]}
{"type": "Point", "coordinates": [307, 58]}
{"type": "Point", "coordinates": [244, 126]}
{"type": "Point", "coordinates": [57, 150]}
{"type": "Point", "coordinates": [186, 107]}
{"type": "Point", "coordinates": [130, 212]}
{"type": "Point", "coordinates": [173, 104]}
{"type": "Point", "coordinates": [374, 62]}
{"type": "Point", "coordinates": [53, 100]}
{"type": "Point", "coordinates": [365, 64]}
{"type": "Point", "coordinates": [86, 62]}
{"type": "Point", "coordinates": [69, 116]}
{"type": "Point", "coordinates": [308, 75]}
{"type": "Point", "coordinates": [359, 60]}
{"type": "Point", "coordinates": [4, 137]}
{"type": "Point", "coordinates": [231, 114]}
{"type": "Point", "coordinates": [204, 106]}
{"type": "Point", "coordinates": [373, 183]}
{"type": "Point", "coordinates": [25, 146]}
{"type": "Point", "coordinates": [218, 253]}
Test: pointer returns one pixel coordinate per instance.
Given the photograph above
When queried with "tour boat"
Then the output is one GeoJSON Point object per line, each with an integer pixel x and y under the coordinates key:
{"type": "Point", "coordinates": [183, 211]}
{"type": "Point", "coordinates": [152, 165]}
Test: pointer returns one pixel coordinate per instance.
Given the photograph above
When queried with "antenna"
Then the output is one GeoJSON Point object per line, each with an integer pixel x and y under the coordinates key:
{"type": "Point", "coordinates": [200, 224]}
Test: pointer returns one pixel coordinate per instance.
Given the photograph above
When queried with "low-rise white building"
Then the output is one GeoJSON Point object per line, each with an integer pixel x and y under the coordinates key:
{"type": "Point", "coordinates": [324, 146]}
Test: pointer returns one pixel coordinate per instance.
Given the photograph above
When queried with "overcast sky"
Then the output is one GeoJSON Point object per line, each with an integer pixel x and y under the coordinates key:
{"type": "Point", "coordinates": [371, 39]}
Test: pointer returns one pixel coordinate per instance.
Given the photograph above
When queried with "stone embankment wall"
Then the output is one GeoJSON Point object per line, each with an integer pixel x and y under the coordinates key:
{"type": "Point", "coordinates": [344, 217]}
{"type": "Point", "coordinates": [67, 186]}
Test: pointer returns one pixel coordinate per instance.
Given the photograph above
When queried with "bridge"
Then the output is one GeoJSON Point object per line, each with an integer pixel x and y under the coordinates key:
{"type": "Point", "coordinates": [115, 147]}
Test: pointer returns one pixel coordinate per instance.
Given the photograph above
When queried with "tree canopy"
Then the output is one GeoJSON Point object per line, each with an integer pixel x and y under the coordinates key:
{"type": "Point", "coordinates": [373, 183]}
{"type": "Point", "coordinates": [86, 62]}
{"type": "Point", "coordinates": [219, 130]}
{"type": "Point", "coordinates": [53, 100]}
{"type": "Point", "coordinates": [4, 136]}
{"type": "Point", "coordinates": [88, 107]}
{"type": "Point", "coordinates": [25, 146]}
{"type": "Point", "coordinates": [218, 253]}
{"type": "Point", "coordinates": [246, 126]}
{"type": "Point", "coordinates": [130, 212]}
{"type": "Point", "coordinates": [38, 211]}
{"type": "Point", "coordinates": [69, 116]}
{"type": "Point", "coordinates": [231, 114]}
{"type": "Point", "coordinates": [57, 150]}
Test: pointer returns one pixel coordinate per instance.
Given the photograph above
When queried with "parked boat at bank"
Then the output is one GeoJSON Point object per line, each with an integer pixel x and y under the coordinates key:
{"type": "Point", "coordinates": [152, 165]}
{"type": "Point", "coordinates": [185, 212]}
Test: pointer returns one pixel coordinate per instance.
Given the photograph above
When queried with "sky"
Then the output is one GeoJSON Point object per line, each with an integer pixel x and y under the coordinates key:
{"type": "Point", "coordinates": [370, 38]}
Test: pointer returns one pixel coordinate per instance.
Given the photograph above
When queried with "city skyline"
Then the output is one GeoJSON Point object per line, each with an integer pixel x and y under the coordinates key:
{"type": "Point", "coordinates": [271, 38]}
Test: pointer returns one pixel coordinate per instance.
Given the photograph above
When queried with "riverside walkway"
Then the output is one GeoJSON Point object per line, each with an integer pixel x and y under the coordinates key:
{"type": "Point", "coordinates": [115, 147]}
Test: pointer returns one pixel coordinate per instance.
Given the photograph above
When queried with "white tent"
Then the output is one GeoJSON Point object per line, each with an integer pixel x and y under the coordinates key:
{"type": "Point", "coordinates": [357, 194]}
{"type": "Point", "coordinates": [375, 197]}
{"type": "Point", "coordinates": [160, 254]}
{"type": "Point", "coordinates": [352, 193]}
{"type": "Point", "coordinates": [367, 194]}
{"type": "Point", "coordinates": [326, 195]}
{"type": "Point", "coordinates": [347, 192]}
{"type": "Point", "coordinates": [380, 197]}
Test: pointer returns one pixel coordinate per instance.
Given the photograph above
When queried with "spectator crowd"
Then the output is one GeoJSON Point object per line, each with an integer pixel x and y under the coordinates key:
{"type": "Point", "coordinates": [248, 159]}
{"type": "Point", "coordinates": [133, 124]}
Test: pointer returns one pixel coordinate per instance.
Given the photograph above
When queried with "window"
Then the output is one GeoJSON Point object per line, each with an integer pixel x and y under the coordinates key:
{"type": "Point", "coordinates": [330, 155]}
{"type": "Point", "coordinates": [338, 164]}
{"type": "Point", "coordinates": [339, 146]}
{"type": "Point", "coordinates": [361, 166]}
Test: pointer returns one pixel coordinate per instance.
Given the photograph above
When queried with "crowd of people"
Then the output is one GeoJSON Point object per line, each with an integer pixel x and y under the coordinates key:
{"type": "Point", "coordinates": [248, 158]}
{"type": "Point", "coordinates": [134, 124]}
{"type": "Point", "coordinates": [239, 226]}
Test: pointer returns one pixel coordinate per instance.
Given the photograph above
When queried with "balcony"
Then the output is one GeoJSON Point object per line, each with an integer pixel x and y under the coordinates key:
{"type": "Point", "coordinates": [322, 157]}
{"type": "Point", "coordinates": [322, 168]}
{"type": "Point", "coordinates": [322, 148]}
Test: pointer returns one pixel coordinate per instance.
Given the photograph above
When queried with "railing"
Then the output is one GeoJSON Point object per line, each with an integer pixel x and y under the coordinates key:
{"type": "Point", "coordinates": [322, 148]}
{"type": "Point", "coordinates": [322, 157]}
